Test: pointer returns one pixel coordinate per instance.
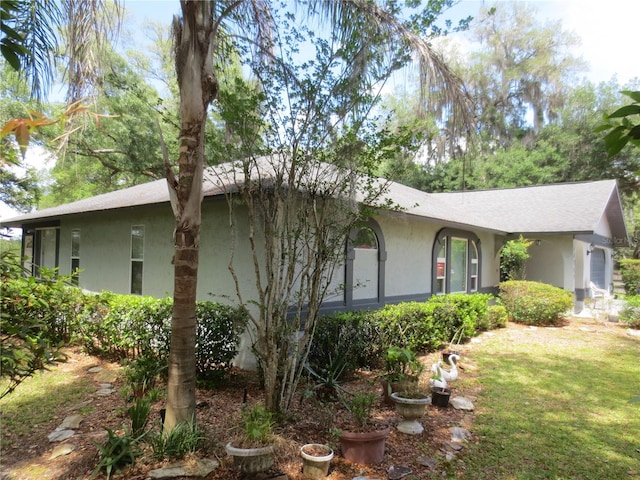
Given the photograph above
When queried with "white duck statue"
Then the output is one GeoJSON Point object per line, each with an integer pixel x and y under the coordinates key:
{"type": "Point", "coordinates": [451, 374]}
{"type": "Point", "coordinates": [438, 380]}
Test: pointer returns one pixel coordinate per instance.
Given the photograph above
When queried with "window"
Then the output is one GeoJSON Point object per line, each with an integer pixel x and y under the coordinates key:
{"type": "Point", "coordinates": [137, 258]}
{"type": "Point", "coordinates": [45, 253]}
{"type": "Point", "coordinates": [456, 262]}
{"type": "Point", "coordinates": [75, 255]}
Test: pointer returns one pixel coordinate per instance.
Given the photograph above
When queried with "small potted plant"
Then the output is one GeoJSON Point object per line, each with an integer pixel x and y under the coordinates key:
{"type": "Point", "coordinates": [402, 370]}
{"type": "Point", "coordinates": [316, 459]}
{"type": "Point", "coordinates": [252, 450]}
{"type": "Point", "coordinates": [363, 441]}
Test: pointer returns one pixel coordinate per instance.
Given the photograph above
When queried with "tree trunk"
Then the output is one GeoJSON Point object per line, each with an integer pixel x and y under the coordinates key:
{"type": "Point", "coordinates": [198, 87]}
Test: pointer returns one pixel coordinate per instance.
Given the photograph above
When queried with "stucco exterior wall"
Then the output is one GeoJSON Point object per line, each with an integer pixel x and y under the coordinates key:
{"type": "Point", "coordinates": [105, 249]}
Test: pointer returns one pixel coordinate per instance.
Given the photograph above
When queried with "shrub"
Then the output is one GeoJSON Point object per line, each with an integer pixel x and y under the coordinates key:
{"type": "Point", "coordinates": [630, 313]}
{"type": "Point", "coordinates": [513, 258]}
{"type": "Point", "coordinates": [535, 303]}
{"type": "Point", "coordinates": [497, 317]}
{"type": "Point", "coordinates": [425, 326]}
{"type": "Point", "coordinates": [217, 337]}
{"type": "Point", "coordinates": [33, 320]}
{"type": "Point", "coordinates": [349, 336]}
{"type": "Point", "coordinates": [410, 325]}
{"type": "Point", "coordinates": [137, 327]}
{"type": "Point", "coordinates": [630, 271]}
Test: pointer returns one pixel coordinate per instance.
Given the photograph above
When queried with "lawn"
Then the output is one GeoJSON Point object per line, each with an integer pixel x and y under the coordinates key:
{"type": "Point", "coordinates": [551, 403]}
{"type": "Point", "coordinates": [554, 404]}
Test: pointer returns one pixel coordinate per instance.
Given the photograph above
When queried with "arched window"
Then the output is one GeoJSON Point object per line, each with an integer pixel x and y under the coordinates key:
{"type": "Point", "coordinates": [456, 262]}
{"type": "Point", "coordinates": [364, 270]}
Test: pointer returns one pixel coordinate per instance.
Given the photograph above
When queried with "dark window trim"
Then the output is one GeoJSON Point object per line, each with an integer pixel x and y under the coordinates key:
{"type": "Point", "coordinates": [446, 234]}
{"type": "Point", "coordinates": [350, 256]}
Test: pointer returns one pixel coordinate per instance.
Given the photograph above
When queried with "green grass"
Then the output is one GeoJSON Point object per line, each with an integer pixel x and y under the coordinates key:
{"type": "Point", "coordinates": [39, 400]}
{"type": "Point", "coordinates": [555, 405]}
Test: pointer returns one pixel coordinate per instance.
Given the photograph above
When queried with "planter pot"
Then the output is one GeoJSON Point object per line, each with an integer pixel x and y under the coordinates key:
{"type": "Point", "coordinates": [440, 397]}
{"type": "Point", "coordinates": [251, 460]}
{"type": "Point", "coordinates": [316, 459]}
{"type": "Point", "coordinates": [366, 448]}
{"type": "Point", "coordinates": [410, 409]}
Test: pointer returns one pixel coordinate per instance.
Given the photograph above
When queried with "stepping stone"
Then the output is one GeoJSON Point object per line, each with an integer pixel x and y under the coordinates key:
{"type": "Point", "coordinates": [61, 450]}
{"type": "Point", "coordinates": [81, 404]}
{"type": "Point", "coordinates": [633, 333]}
{"type": "Point", "coordinates": [105, 392]}
{"type": "Point", "coordinates": [459, 434]}
{"type": "Point", "coordinates": [427, 462]}
{"type": "Point", "coordinates": [70, 423]}
{"type": "Point", "coordinates": [398, 471]}
{"type": "Point", "coordinates": [106, 376]}
{"type": "Point", "coordinates": [60, 435]}
{"type": "Point", "coordinates": [201, 468]}
{"type": "Point", "coordinates": [461, 403]}
{"type": "Point", "coordinates": [452, 446]}
{"type": "Point", "coordinates": [94, 369]}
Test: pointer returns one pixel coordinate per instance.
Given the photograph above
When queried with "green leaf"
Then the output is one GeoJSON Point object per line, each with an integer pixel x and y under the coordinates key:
{"type": "Point", "coordinates": [10, 56]}
{"type": "Point", "coordinates": [635, 95]}
{"type": "Point", "coordinates": [634, 133]}
{"type": "Point", "coordinates": [626, 111]}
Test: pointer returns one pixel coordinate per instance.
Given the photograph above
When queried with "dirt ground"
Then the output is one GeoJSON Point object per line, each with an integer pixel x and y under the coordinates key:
{"type": "Point", "coordinates": [28, 456]}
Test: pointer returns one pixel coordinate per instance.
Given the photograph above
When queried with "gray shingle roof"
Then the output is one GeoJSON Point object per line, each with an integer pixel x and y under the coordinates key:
{"type": "Point", "coordinates": [558, 208]}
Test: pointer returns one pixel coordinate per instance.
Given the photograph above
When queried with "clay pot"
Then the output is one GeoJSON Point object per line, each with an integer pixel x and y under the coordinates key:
{"type": "Point", "coordinates": [316, 459]}
{"type": "Point", "coordinates": [366, 448]}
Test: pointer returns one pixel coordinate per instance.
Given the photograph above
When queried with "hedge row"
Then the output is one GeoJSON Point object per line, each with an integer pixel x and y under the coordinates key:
{"type": "Point", "coordinates": [360, 339]}
{"type": "Point", "coordinates": [123, 327]}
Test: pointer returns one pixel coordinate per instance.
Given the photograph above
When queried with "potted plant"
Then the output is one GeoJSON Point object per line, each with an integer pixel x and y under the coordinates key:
{"type": "Point", "coordinates": [410, 405]}
{"type": "Point", "coordinates": [402, 369]}
{"type": "Point", "coordinates": [316, 459]}
{"type": "Point", "coordinates": [363, 441]}
{"type": "Point", "coordinates": [252, 449]}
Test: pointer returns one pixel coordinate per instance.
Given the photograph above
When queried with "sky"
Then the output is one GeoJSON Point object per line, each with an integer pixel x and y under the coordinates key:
{"type": "Point", "coordinates": [608, 31]}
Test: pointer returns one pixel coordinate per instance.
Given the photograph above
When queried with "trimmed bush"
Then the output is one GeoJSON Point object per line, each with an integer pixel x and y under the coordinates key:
{"type": "Point", "coordinates": [217, 338]}
{"type": "Point", "coordinates": [350, 337]}
{"type": "Point", "coordinates": [630, 313]}
{"type": "Point", "coordinates": [630, 271]}
{"type": "Point", "coordinates": [131, 326]}
{"type": "Point", "coordinates": [534, 303]}
{"type": "Point", "coordinates": [497, 317]}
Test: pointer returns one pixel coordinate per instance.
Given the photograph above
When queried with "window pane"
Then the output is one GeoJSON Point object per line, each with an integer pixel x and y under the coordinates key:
{"type": "Point", "coordinates": [75, 265]}
{"type": "Point", "coordinates": [137, 242]}
{"type": "Point", "coordinates": [75, 243]}
{"type": "Point", "coordinates": [366, 238]}
{"type": "Point", "coordinates": [136, 278]}
{"type": "Point", "coordinates": [458, 269]}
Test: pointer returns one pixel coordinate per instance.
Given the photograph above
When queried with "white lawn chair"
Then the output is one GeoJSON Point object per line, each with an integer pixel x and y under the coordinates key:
{"type": "Point", "coordinates": [597, 292]}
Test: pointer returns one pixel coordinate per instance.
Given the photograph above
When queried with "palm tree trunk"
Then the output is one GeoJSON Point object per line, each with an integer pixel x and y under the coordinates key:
{"type": "Point", "coordinates": [198, 87]}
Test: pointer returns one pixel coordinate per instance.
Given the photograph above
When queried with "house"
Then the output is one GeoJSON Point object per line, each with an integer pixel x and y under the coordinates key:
{"type": "Point", "coordinates": [433, 244]}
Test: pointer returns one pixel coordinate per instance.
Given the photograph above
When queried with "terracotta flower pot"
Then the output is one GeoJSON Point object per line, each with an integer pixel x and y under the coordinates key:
{"type": "Point", "coordinates": [366, 448]}
{"type": "Point", "coordinates": [316, 459]}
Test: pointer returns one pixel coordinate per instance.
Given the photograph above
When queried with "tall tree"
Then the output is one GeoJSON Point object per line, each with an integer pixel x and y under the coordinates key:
{"type": "Point", "coordinates": [364, 26]}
